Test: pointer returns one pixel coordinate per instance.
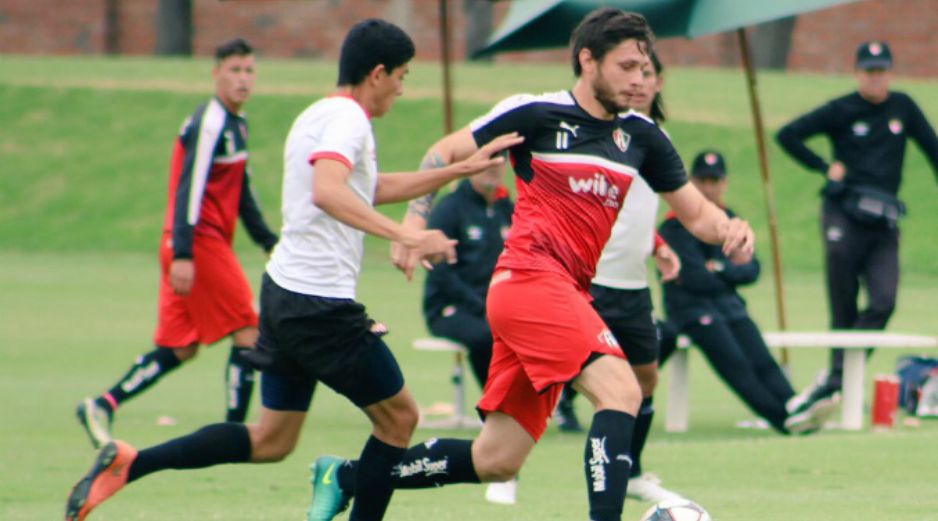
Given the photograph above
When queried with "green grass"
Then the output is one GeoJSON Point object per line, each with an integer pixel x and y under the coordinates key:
{"type": "Point", "coordinates": [85, 146]}
{"type": "Point", "coordinates": [74, 321]}
{"type": "Point", "coordinates": [86, 143]}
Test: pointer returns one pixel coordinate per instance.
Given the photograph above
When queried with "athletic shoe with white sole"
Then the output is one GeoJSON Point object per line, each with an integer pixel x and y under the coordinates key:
{"type": "Point", "coordinates": [812, 417]}
{"type": "Point", "coordinates": [647, 487]}
{"type": "Point", "coordinates": [96, 420]}
{"type": "Point", "coordinates": [503, 493]}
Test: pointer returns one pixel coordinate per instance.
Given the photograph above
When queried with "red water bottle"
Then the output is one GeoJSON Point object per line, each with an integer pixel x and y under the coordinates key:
{"type": "Point", "coordinates": [885, 400]}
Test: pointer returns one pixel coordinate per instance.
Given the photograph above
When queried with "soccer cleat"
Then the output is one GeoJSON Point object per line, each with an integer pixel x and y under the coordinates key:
{"type": "Point", "coordinates": [503, 492]}
{"type": "Point", "coordinates": [647, 487]}
{"type": "Point", "coordinates": [96, 420]}
{"type": "Point", "coordinates": [818, 389]}
{"type": "Point", "coordinates": [565, 416]}
{"type": "Point", "coordinates": [106, 477]}
{"type": "Point", "coordinates": [328, 497]}
{"type": "Point", "coordinates": [812, 417]}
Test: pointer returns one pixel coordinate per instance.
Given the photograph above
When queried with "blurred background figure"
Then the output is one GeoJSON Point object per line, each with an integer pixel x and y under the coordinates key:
{"type": "Point", "coordinates": [703, 302]}
{"type": "Point", "coordinates": [868, 130]}
{"type": "Point", "coordinates": [478, 215]}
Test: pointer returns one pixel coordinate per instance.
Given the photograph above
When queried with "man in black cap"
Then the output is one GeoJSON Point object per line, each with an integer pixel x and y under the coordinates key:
{"type": "Point", "coordinates": [868, 130]}
{"type": "Point", "coordinates": [703, 303]}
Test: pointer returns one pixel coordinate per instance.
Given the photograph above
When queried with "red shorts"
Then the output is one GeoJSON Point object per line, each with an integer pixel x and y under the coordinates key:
{"type": "Point", "coordinates": [219, 304]}
{"type": "Point", "coordinates": [544, 330]}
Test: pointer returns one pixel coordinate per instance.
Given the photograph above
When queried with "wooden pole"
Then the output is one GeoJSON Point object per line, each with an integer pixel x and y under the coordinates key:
{"type": "Point", "coordinates": [447, 84]}
{"type": "Point", "coordinates": [768, 190]}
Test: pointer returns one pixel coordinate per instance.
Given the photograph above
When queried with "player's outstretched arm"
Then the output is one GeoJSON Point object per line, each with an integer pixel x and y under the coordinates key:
{"type": "Point", "coordinates": [710, 224]}
{"type": "Point", "coordinates": [406, 186]}
{"type": "Point", "coordinates": [332, 195]}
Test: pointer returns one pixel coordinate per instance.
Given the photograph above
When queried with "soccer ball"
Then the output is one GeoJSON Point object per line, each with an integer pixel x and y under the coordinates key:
{"type": "Point", "coordinates": [680, 510]}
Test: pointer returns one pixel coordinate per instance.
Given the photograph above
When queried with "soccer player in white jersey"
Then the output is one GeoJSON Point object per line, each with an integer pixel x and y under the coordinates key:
{"type": "Point", "coordinates": [578, 159]}
{"type": "Point", "coordinates": [311, 328]}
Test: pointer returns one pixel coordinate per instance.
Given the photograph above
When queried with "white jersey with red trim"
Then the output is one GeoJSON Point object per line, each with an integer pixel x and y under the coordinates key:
{"type": "Point", "coordinates": [317, 254]}
{"type": "Point", "coordinates": [624, 261]}
{"type": "Point", "coordinates": [573, 174]}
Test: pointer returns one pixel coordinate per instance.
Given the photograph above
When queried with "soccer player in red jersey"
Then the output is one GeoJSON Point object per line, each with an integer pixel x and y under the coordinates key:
{"type": "Point", "coordinates": [574, 168]}
{"type": "Point", "coordinates": [204, 295]}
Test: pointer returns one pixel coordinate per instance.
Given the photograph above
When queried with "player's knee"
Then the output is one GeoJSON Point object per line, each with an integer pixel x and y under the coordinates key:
{"type": "Point", "coordinates": [184, 354]}
{"type": "Point", "coordinates": [489, 467]}
{"type": "Point", "coordinates": [648, 383]}
{"type": "Point", "coordinates": [882, 308]}
{"type": "Point", "coordinates": [626, 396]}
{"type": "Point", "coordinates": [398, 427]}
{"type": "Point", "coordinates": [270, 449]}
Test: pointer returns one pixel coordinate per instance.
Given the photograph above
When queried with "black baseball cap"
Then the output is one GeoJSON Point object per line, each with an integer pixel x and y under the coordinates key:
{"type": "Point", "coordinates": [874, 55]}
{"type": "Point", "coordinates": [709, 163]}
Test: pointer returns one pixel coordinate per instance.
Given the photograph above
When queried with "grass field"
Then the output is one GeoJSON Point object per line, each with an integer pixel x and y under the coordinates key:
{"type": "Point", "coordinates": [84, 149]}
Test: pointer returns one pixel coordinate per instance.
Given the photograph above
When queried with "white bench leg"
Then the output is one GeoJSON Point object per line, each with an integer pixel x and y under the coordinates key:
{"type": "Point", "coordinates": [854, 368]}
{"type": "Point", "coordinates": [677, 407]}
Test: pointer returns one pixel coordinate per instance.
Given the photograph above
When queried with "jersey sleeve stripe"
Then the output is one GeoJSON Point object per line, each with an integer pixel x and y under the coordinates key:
{"type": "Point", "coordinates": [213, 120]}
{"type": "Point", "coordinates": [583, 159]}
{"type": "Point", "coordinates": [335, 156]}
{"type": "Point", "coordinates": [519, 100]}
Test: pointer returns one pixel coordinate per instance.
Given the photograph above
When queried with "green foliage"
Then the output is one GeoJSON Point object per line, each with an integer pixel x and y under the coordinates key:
{"type": "Point", "coordinates": [86, 143]}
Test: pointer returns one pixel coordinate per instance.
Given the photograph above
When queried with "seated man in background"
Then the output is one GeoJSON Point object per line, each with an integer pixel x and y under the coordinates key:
{"type": "Point", "coordinates": [703, 303]}
{"type": "Point", "coordinates": [478, 215]}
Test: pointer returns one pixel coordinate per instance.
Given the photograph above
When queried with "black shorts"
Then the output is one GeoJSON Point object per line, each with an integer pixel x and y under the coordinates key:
{"type": "Point", "coordinates": [305, 339]}
{"type": "Point", "coordinates": [628, 313]}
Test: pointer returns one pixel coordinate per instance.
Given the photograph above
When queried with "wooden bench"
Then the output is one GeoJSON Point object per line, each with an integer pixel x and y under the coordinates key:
{"type": "Point", "coordinates": [458, 419]}
{"type": "Point", "coordinates": [855, 344]}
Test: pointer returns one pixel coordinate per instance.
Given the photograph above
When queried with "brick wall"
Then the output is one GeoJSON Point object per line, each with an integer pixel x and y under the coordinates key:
{"type": "Point", "coordinates": [822, 41]}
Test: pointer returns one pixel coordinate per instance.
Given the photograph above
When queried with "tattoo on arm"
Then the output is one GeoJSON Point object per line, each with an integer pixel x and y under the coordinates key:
{"type": "Point", "coordinates": [421, 206]}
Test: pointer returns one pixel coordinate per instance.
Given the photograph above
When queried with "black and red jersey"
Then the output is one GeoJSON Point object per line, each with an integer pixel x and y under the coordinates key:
{"type": "Point", "coordinates": [209, 182]}
{"type": "Point", "coordinates": [573, 172]}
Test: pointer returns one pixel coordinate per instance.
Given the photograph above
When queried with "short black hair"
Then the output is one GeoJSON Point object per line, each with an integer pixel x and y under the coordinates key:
{"type": "Point", "coordinates": [235, 47]}
{"type": "Point", "coordinates": [605, 28]}
{"type": "Point", "coordinates": [371, 43]}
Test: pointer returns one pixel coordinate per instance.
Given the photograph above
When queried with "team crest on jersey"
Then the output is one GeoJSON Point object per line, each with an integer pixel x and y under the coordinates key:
{"type": "Point", "coordinates": [895, 126]}
{"type": "Point", "coordinates": [606, 337]}
{"type": "Point", "coordinates": [474, 233]}
{"type": "Point", "coordinates": [621, 139]}
{"type": "Point", "coordinates": [244, 130]}
{"type": "Point", "coordinates": [860, 129]}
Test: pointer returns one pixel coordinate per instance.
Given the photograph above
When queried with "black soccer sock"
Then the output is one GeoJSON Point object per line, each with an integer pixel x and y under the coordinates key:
{"type": "Point", "coordinates": [146, 371]}
{"type": "Point", "coordinates": [607, 462]}
{"type": "Point", "coordinates": [211, 445]}
{"type": "Point", "coordinates": [435, 463]}
{"type": "Point", "coordinates": [373, 482]}
{"type": "Point", "coordinates": [640, 435]}
{"type": "Point", "coordinates": [239, 384]}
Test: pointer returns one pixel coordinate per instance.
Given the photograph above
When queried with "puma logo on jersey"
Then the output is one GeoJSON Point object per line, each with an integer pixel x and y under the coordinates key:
{"type": "Point", "coordinates": [563, 135]}
{"type": "Point", "coordinates": [569, 128]}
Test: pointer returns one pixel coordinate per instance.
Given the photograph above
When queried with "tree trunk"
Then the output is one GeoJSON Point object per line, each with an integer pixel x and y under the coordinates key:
{"type": "Point", "coordinates": [174, 27]}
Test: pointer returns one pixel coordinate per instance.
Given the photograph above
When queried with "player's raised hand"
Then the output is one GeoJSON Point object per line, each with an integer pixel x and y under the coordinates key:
{"type": "Point", "coordinates": [668, 263]}
{"type": "Point", "coordinates": [427, 247]}
{"type": "Point", "coordinates": [490, 154]}
{"type": "Point", "coordinates": [738, 241]}
{"type": "Point", "coordinates": [182, 276]}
